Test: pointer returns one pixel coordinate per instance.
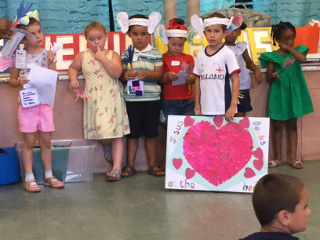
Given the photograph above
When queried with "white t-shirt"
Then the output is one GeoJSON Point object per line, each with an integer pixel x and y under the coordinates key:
{"type": "Point", "coordinates": [215, 85]}
{"type": "Point", "coordinates": [244, 76]}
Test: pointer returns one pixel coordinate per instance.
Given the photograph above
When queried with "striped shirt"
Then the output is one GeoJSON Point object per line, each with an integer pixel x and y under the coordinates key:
{"type": "Point", "coordinates": [147, 59]}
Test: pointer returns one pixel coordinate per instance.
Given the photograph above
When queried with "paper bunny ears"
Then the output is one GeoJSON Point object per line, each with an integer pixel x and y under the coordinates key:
{"type": "Point", "coordinates": [199, 25]}
{"type": "Point", "coordinates": [124, 21]}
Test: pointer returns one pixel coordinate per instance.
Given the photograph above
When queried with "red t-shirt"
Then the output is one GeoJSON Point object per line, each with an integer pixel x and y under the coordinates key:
{"type": "Point", "coordinates": [176, 64]}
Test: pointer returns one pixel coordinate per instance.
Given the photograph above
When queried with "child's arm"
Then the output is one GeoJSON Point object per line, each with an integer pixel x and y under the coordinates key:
{"type": "Point", "coordinates": [155, 75]}
{"type": "Point", "coordinates": [271, 75]}
{"type": "Point", "coordinates": [113, 66]}
{"type": "Point", "coordinates": [298, 55]}
{"type": "Point", "coordinates": [197, 93]}
{"type": "Point", "coordinates": [73, 70]}
{"type": "Point", "coordinates": [234, 97]}
{"type": "Point", "coordinates": [15, 81]}
{"type": "Point", "coordinates": [51, 64]}
{"type": "Point", "coordinates": [250, 65]}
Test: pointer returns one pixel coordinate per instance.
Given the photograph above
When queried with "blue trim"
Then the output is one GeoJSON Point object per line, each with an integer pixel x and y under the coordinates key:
{"type": "Point", "coordinates": [227, 90]}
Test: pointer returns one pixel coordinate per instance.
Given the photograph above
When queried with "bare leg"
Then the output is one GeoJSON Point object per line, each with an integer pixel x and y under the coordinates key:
{"type": "Point", "coordinates": [276, 134]}
{"type": "Point", "coordinates": [151, 149]}
{"type": "Point", "coordinates": [240, 114]}
{"type": "Point", "coordinates": [132, 148]}
{"type": "Point", "coordinates": [117, 152]}
{"type": "Point", "coordinates": [293, 142]}
{"type": "Point", "coordinates": [27, 151]}
{"type": "Point", "coordinates": [46, 152]}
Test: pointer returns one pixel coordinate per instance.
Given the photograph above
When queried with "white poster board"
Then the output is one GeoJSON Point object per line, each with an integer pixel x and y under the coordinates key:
{"type": "Point", "coordinates": [210, 154]}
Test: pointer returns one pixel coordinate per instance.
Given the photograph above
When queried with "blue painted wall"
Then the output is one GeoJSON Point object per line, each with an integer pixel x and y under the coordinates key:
{"type": "Point", "coordinates": [72, 16]}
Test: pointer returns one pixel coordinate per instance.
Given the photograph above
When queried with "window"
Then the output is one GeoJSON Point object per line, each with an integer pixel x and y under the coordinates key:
{"type": "Point", "coordinates": [248, 3]}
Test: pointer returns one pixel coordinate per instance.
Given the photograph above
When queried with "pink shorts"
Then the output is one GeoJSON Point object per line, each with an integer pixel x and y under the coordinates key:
{"type": "Point", "coordinates": [36, 118]}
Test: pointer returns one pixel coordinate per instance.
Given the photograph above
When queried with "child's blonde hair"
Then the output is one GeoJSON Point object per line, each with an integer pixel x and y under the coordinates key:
{"type": "Point", "coordinates": [31, 22]}
{"type": "Point", "coordinates": [95, 26]}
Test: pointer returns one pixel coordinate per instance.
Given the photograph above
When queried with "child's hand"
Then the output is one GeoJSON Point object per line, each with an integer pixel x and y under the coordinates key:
{"type": "Point", "coordinates": [258, 76]}
{"type": "Point", "coordinates": [172, 76]}
{"type": "Point", "coordinates": [230, 114]}
{"type": "Point", "coordinates": [275, 75]}
{"type": "Point", "coordinates": [22, 81]}
{"type": "Point", "coordinates": [283, 46]}
{"type": "Point", "coordinates": [142, 74]}
{"type": "Point", "coordinates": [5, 28]}
{"type": "Point", "coordinates": [197, 109]}
{"type": "Point", "coordinates": [50, 56]}
{"type": "Point", "coordinates": [128, 75]}
{"type": "Point", "coordinates": [73, 84]}
{"type": "Point", "coordinates": [191, 79]}
{"type": "Point", "coordinates": [99, 55]}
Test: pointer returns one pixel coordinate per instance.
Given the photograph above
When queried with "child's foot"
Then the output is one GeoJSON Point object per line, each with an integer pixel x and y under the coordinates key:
{"type": "Point", "coordinates": [114, 175]}
{"type": "Point", "coordinates": [53, 182]}
{"type": "Point", "coordinates": [156, 171]}
{"type": "Point", "coordinates": [274, 163]}
{"type": "Point", "coordinates": [128, 171]}
{"type": "Point", "coordinates": [297, 165]}
{"type": "Point", "coordinates": [32, 186]}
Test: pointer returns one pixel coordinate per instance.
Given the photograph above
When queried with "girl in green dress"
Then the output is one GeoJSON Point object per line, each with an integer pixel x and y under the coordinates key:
{"type": "Point", "coordinates": [289, 97]}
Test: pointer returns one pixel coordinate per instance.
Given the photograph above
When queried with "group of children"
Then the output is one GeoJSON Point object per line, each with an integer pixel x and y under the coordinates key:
{"type": "Point", "coordinates": [220, 77]}
{"type": "Point", "coordinates": [280, 201]}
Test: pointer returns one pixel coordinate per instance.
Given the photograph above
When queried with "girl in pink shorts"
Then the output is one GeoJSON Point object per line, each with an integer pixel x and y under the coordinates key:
{"type": "Point", "coordinates": [38, 118]}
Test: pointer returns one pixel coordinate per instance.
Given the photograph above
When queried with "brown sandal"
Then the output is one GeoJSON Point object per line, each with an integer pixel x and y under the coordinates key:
{"type": "Point", "coordinates": [155, 170]}
{"type": "Point", "coordinates": [128, 171]}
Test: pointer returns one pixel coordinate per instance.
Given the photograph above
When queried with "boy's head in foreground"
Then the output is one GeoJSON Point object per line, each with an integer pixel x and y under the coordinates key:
{"type": "Point", "coordinates": [281, 204]}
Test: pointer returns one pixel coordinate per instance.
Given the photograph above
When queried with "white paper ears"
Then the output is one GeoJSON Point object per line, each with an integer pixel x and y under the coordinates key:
{"type": "Point", "coordinates": [124, 21]}
{"type": "Point", "coordinates": [199, 25]}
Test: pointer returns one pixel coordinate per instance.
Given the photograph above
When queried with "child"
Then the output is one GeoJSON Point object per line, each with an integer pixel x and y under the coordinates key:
{"type": "Point", "coordinates": [280, 203]}
{"type": "Point", "coordinates": [105, 115]}
{"type": "Point", "coordinates": [177, 99]}
{"type": "Point", "coordinates": [143, 110]}
{"type": "Point", "coordinates": [244, 61]}
{"type": "Point", "coordinates": [38, 118]}
{"type": "Point", "coordinates": [214, 95]}
{"type": "Point", "coordinates": [289, 97]}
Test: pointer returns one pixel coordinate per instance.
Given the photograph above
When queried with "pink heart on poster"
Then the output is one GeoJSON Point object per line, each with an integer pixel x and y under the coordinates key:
{"type": "Point", "coordinates": [190, 173]}
{"type": "Point", "coordinates": [258, 153]}
{"type": "Point", "coordinates": [249, 173]}
{"type": "Point", "coordinates": [245, 123]}
{"type": "Point", "coordinates": [177, 163]}
{"type": "Point", "coordinates": [258, 164]}
{"type": "Point", "coordinates": [218, 121]}
{"type": "Point", "coordinates": [217, 154]}
{"type": "Point", "coordinates": [188, 121]}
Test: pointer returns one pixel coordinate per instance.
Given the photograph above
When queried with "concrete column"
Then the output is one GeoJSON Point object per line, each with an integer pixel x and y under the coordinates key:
{"type": "Point", "coordinates": [193, 8]}
{"type": "Point", "coordinates": [170, 11]}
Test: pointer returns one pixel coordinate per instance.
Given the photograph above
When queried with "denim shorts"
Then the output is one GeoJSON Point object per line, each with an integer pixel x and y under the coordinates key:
{"type": "Point", "coordinates": [177, 107]}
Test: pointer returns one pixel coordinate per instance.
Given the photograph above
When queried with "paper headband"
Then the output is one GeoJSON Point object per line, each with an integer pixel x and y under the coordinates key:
{"type": "Point", "coordinates": [124, 21]}
{"type": "Point", "coordinates": [177, 33]}
{"type": "Point", "coordinates": [232, 23]}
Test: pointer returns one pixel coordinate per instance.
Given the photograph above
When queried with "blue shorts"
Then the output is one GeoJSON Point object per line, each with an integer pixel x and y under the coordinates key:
{"type": "Point", "coordinates": [177, 107]}
{"type": "Point", "coordinates": [143, 118]}
{"type": "Point", "coordinates": [244, 104]}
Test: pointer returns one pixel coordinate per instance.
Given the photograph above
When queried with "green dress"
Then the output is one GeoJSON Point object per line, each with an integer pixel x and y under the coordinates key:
{"type": "Point", "coordinates": [289, 96]}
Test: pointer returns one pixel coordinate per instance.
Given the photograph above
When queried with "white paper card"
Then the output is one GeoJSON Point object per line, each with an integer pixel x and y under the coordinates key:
{"type": "Point", "coordinates": [135, 87]}
{"type": "Point", "coordinates": [29, 97]}
{"type": "Point", "coordinates": [45, 81]}
{"type": "Point", "coordinates": [182, 77]}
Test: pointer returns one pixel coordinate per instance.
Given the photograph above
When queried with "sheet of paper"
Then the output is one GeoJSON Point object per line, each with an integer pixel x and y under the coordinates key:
{"type": "Point", "coordinates": [181, 78]}
{"type": "Point", "coordinates": [45, 81]}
